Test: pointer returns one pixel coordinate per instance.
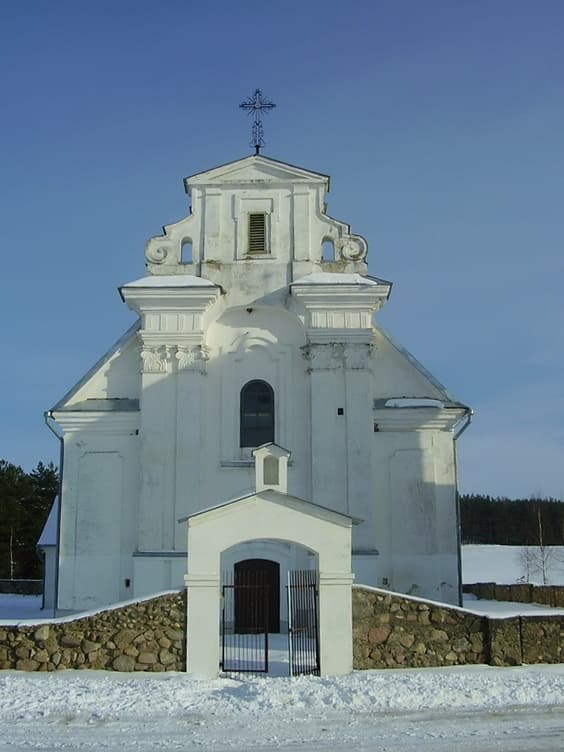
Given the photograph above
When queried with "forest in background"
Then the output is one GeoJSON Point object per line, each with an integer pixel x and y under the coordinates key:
{"type": "Point", "coordinates": [511, 522]}
{"type": "Point", "coordinates": [25, 502]}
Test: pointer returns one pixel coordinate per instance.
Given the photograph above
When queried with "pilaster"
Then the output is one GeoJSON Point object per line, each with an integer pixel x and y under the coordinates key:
{"type": "Point", "coordinates": [173, 363]}
{"type": "Point", "coordinates": [328, 430]}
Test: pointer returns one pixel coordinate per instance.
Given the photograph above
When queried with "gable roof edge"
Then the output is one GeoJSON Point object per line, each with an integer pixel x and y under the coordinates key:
{"type": "Point", "coordinates": [256, 158]}
{"type": "Point", "coordinates": [97, 365]}
{"type": "Point", "coordinates": [421, 368]}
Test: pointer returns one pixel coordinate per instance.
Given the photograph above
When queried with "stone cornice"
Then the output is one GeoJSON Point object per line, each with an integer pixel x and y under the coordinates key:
{"type": "Point", "coordinates": [339, 311]}
{"type": "Point", "coordinates": [170, 299]}
{"type": "Point", "coordinates": [341, 296]}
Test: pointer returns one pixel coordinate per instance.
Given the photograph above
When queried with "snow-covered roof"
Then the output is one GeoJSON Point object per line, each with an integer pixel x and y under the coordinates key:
{"type": "Point", "coordinates": [48, 535]}
{"type": "Point", "coordinates": [413, 402]}
{"type": "Point", "coordinates": [170, 280]}
{"type": "Point", "coordinates": [102, 405]}
{"type": "Point", "coordinates": [336, 278]}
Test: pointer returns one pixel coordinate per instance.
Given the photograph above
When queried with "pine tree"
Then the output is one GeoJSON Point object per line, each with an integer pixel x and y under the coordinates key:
{"type": "Point", "coordinates": [25, 502]}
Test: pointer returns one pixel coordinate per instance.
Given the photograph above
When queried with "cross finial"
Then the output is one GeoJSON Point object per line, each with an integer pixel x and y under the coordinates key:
{"type": "Point", "coordinates": [256, 105]}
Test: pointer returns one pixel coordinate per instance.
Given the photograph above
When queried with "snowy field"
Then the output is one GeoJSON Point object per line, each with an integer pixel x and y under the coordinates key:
{"type": "Point", "coordinates": [467, 709]}
{"type": "Point", "coordinates": [505, 565]}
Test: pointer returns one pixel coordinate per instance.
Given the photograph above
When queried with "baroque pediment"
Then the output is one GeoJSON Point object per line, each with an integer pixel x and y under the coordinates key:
{"type": "Point", "coordinates": [255, 169]}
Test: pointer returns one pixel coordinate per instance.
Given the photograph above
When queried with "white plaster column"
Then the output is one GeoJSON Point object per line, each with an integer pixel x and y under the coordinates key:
{"type": "Point", "coordinates": [328, 428]}
{"type": "Point", "coordinates": [202, 655]}
{"type": "Point", "coordinates": [190, 440]}
{"type": "Point", "coordinates": [335, 623]}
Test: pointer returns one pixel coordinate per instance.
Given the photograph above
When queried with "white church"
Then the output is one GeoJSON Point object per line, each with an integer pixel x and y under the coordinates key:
{"type": "Point", "coordinates": [256, 366]}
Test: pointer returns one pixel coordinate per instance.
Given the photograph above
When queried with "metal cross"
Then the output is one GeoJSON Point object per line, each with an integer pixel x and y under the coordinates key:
{"type": "Point", "coordinates": [256, 105]}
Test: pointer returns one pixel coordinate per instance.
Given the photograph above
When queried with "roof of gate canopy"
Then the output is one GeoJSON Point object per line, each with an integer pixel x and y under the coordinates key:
{"type": "Point", "coordinates": [285, 500]}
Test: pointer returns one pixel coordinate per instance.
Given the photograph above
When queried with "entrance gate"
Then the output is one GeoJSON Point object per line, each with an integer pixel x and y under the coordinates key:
{"type": "Point", "coordinates": [251, 605]}
{"type": "Point", "coordinates": [303, 628]}
{"type": "Point", "coordinates": [251, 610]}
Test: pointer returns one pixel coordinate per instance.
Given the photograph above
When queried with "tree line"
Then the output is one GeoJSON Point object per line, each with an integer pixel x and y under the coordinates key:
{"type": "Point", "coordinates": [511, 522]}
{"type": "Point", "coordinates": [25, 503]}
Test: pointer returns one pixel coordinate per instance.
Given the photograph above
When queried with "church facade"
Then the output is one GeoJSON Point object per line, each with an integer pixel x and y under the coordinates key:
{"type": "Point", "coordinates": [249, 333]}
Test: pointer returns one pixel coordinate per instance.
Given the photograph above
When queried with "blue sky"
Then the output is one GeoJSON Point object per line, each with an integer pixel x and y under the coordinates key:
{"type": "Point", "coordinates": [440, 123]}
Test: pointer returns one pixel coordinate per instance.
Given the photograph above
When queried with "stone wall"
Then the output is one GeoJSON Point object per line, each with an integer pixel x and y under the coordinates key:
{"type": "Point", "coordinates": [549, 595]}
{"type": "Point", "coordinates": [144, 636]}
{"type": "Point", "coordinates": [390, 630]}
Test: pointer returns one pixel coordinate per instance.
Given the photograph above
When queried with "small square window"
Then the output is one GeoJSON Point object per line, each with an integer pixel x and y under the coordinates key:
{"type": "Point", "coordinates": [257, 234]}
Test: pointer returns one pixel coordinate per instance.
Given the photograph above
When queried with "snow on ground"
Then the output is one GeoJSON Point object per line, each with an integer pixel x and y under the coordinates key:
{"type": "Point", "coordinates": [501, 609]}
{"type": "Point", "coordinates": [16, 608]}
{"type": "Point", "coordinates": [504, 565]}
{"type": "Point", "coordinates": [470, 708]}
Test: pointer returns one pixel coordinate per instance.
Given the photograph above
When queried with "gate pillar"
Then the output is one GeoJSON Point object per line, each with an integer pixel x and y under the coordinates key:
{"type": "Point", "coordinates": [202, 658]}
{"type": "Point", "coordinates": [335, 623]}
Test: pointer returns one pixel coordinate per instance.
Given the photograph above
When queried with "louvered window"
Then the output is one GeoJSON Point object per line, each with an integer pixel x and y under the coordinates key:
{"type": "Point", "coordinates": [257, 233]}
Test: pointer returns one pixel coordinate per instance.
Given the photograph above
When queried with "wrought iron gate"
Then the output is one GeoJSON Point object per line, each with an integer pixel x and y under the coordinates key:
{"type": "Point", "coordinates": [303, 631]}
{"type": "Point", "coordinates": [245, 622]}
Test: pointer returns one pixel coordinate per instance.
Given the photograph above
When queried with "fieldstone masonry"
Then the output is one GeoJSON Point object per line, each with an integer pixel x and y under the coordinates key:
{"type": "Point", "coordinates": [392, 631]}
{"type": "Point", "coordinates": [145, 636]}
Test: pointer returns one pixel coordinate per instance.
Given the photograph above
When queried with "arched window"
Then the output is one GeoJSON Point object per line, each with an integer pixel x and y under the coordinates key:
{"type": "Point", "coordinates": [257, 414]}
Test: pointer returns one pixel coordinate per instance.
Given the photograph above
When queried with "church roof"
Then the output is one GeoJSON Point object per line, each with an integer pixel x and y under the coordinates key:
{"type": "Point", "coordinates": [62, 403]}
{"type": "Point", "coordinates": [446, 397]}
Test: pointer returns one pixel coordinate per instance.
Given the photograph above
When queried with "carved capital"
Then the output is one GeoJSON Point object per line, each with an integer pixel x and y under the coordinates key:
{"type": "Point", "coordinates": [357, 356]}
{"type": "Point", "coordinates": [324, 357]}
{"type": "Point", "coordinates": [191, 358]}
{"type": "Point", "coordinates": [154, 359]}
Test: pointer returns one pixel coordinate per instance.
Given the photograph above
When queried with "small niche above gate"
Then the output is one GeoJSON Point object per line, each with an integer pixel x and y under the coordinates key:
{"type": "Point", "coordinates": [271, 467]}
